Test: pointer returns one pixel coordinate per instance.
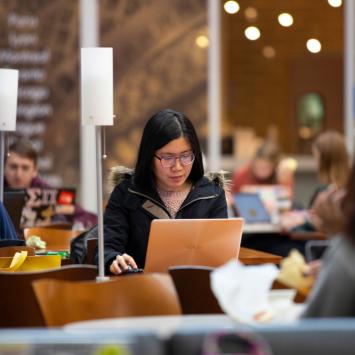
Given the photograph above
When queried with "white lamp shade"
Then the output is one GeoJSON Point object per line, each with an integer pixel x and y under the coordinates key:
{"type": "Point", "coordinates": [8, 99]}
{"type": "Point", "coordinates": [96, 86]}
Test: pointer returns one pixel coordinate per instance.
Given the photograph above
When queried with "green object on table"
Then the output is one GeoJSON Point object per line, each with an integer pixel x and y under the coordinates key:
{"type": "Point", "coordinates": [63, 254]}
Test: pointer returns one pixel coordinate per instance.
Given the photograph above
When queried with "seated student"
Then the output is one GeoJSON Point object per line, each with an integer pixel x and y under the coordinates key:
{"type": "Point", "coordinates": [332, 159]}
{"type": "Point", "coordinates": [333, 294]}
{"type": "Point", "coordinates": [167, 182]}
{"type": "Point", "coordinates": [7, 229]}
{"type": "Point", "coordinates": [266, 168]}
{"type": "Point", "coordinates": [330, 152]}
{"type": "Point", "coordinates": [20, 172]}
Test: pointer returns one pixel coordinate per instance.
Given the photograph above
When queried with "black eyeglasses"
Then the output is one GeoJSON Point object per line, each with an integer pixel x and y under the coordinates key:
{"type": "Point", "coordinates": [168, 161]}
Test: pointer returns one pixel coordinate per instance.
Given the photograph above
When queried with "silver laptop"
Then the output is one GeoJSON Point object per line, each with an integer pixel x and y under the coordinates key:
{"type": "Point", "coordinates": [208, 242]}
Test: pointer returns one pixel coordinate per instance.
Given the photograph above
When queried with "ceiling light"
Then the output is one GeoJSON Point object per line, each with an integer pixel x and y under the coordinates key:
{"type": "Point", "coordinates": [202, 41]}
{"type": "Point", "coordinates": [335, 3]}
{"type": "Point", "coordinates": [269, 52]}
{"type": "Point", "coordinates": [285, 19]}
{"type": "Point", "coordinates": [252, 33]}
{"type": "Point", "coordinates": [231, 7]}
{"type": "Point", "coordinates": [251, 13]}
{"type": "Point", "coordinates": [313, 45]}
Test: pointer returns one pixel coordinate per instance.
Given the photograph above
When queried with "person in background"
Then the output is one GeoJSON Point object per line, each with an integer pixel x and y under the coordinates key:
{"type": "Point", "coordinates": [20, 172]}
{"type": "Point", "coordinates": [266, 168]}
{"type": "Point", "coordinates": [332, 161]}
{"type": "Point", "coordinates": [21, 167]}
{"type": "Point", "coordinates": [168, 182]}
{"type": "Point", "coordinates": [333, 294]}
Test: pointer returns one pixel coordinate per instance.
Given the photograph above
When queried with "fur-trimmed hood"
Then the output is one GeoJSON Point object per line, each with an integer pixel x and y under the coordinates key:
{"type": "Point", "coordinates": [120, 173]}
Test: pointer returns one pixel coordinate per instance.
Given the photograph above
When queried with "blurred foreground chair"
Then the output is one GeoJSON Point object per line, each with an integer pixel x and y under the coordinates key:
{"type": "Point", "coordinates": [56, 239]}
{"type": "Point", "coordinates": [19, 307]}
{"type": "Point", "coordinates": [64, 302]}
{"type": "Point", "coordinates": [10, 251]}
{"type": "Point", "coordinates": [192, 284]}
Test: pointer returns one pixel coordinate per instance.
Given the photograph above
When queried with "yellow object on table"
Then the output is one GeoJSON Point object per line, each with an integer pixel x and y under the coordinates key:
{"type": "Point", "coordinates": [293, 273]}
{"type": "Point", "coordinates": [23, 262]}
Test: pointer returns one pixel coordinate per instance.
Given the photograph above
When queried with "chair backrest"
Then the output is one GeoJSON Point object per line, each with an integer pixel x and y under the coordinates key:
{"type": "Point", "coordinates": [59, 225]}
{"type": "Point", "coordinates": [192, 284]}
{"type": "Point", "coordinates": [10, 251]}
{"type": "Point", "coordinates": [19, 307]}
{"type": "Point", "coordinates": [64, 302]}
{"type": "Point", "coordinates": [90, 250]}
{"type": "Point", "coordinates": [56, 239]}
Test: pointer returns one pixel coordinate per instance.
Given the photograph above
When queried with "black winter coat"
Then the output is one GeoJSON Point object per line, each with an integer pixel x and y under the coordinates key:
{"type": "Point", "coordinates": [130, 211]}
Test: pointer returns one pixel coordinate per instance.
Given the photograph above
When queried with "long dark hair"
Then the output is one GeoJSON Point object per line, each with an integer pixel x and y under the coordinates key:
{"type": "Point", "coordinates": [161, 128]}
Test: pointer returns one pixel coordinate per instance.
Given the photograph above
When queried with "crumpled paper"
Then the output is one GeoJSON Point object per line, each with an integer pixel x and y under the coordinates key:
{"type": "Point", "coordinates": [36, 242]}
{"type": "Point", "coordinates": [242, 291]}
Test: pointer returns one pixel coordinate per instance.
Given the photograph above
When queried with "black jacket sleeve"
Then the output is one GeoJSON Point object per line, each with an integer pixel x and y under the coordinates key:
{"type": "Point", "coordinates": [116, 226]}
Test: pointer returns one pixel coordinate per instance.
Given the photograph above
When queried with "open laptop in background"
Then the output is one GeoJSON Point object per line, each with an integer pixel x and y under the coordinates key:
{"type": "Point", "coordinates": [257, 218]}
{"type": "Point", "coordinates": [276, 198]}
{"type": "Point", "coordinates": [45, 206]}
{"type": "Point", "coordinates": [14, 201]}
{"type": "Point", "coordinates": [208, 242]}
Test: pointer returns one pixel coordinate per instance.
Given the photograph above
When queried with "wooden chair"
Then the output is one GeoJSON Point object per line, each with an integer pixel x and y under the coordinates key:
{"type": "Point", "coordinates": [310, 235]}
{"type": "Point", "coordinates": [56, 239]}
{"type": "Point", "coordinates": [19, 307]}
{"type": "Point", "coordinates": [90, 250]}
{"type": "Point", "coordinates": [64, 302]}
{"type": "Point", "coordinates": [59, 225]}
{"type": "Point", "coordinates": [10, 251]}
{"type": "Point", "coordinates": [192, 284]}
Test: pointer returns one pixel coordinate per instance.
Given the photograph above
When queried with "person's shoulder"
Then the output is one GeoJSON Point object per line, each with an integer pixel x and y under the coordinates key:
{"type": "Point", "coordinates": [120, 177]}
{"type": "Point", "coordinates": [344, 252]}
{"type": "Point", "coordinates": [245, 169]}
{"type": "Point", "coordinates": [217, 181]}
{"type": "Point", "coordinates": [38, 182]}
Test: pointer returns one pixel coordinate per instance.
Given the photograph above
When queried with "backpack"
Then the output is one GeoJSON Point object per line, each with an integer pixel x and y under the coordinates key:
{"type": "Point", "coordinates": [78, 246]}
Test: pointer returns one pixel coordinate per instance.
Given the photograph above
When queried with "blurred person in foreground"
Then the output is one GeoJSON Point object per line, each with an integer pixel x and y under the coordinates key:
{"type": "Point", "coordinates": [333, 294]}
{"type": "Point", "coordinates": [20, 172]}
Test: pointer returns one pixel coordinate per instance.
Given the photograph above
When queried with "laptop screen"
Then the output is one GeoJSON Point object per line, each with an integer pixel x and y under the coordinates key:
{"type": "Point", "coordinates": [47, 205]}
{"type": "Point", "coordinates": [14, 201]}
{"type": "Point", "coordinates": [251, 208]}
{"type": "Point", "coordinates": [274, 197]}
{"type": "Point", "coordinates": [208, 242]}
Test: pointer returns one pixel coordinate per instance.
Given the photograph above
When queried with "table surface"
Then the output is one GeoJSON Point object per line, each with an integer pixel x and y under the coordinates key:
{"type": "Point", "coordinates": [254, 257]}
{"type": "Point", "coordinates": [163, 326]}
{"type": "Point", "coordinates": [246, 255]}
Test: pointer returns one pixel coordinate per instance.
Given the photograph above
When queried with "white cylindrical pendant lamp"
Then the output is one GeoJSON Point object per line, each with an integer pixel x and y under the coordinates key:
{"type": "Point", "coordinates": [96, 86]}
{"type": "Point", "coordinates": [8, 99]}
